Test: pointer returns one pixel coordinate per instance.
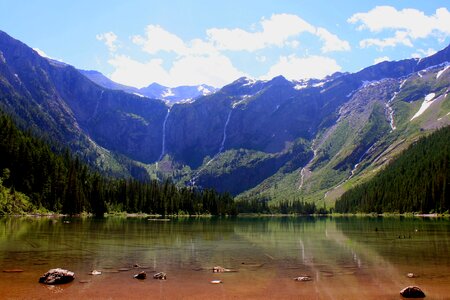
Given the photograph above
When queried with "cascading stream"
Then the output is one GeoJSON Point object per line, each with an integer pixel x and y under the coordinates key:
{"type": "Point", "coordinates": [163, 148]}
{"type": "Point", "coordinates": [222, 147]}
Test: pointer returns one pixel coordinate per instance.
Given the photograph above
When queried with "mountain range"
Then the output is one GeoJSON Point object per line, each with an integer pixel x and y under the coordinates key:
{"type": "Point", "coordinates": [269, 140]}
{"type": "Point", "coordinates": [154, 90]}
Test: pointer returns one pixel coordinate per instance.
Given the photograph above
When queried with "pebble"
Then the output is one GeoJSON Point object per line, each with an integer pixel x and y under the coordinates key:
{"type": "Point", "coordinates": [141, 275]}
{"type": "Point", "coordinates": [216, 281]}
{"type": "Point", "coordinates": [95, 272]}
{"type": "Point", "coordinates": [303, 278]}
{"type": "Point", "coordinates": [160, 276]}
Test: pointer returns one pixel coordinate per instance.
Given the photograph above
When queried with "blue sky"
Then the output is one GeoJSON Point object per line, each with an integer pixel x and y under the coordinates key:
{"type": "Point", "coordinates": [191, 42]}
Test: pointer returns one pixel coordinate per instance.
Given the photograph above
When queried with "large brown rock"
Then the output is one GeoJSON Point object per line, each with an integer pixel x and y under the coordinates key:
{"type": "Point", "coordinates": [57, 276]}
{"type": "Point", "coordinates": [412, 292]}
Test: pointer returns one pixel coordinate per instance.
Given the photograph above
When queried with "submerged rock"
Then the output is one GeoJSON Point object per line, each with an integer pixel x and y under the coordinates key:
{"type": "Point", "coordinates": [303, 278]}
{"type": "Point", "coordinates": [411, 275]}
{"type": "Point", "coordinates": [95, 272]}
{"type": "Point", "coordinates": [216, 281]}
{"type": "Point", "coordinates": [219, 269]}
{"type": "Point", "coordinates": [412, 292]}
{"type": "Point", "coordinates": [57, 276]}
{"type": "Point", "coordinates": [141, 275]}
{"type": "Point", "coordinates": [160, 276]}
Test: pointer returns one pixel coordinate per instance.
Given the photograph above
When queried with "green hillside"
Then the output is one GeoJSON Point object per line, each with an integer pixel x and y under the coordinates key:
{"type": "Point", "coordinates": [417, 181]}
{"type": "Point", "coordinates": [35, 178]}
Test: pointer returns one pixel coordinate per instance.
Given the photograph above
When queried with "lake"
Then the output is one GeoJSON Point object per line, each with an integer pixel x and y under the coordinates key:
{"type": "Point", "coordinates": [346, 257]}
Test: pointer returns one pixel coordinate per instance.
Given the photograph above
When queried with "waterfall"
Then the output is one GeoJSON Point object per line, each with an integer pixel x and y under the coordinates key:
{"type": "Point", "coordinates": [163, 148]}
{"type": "Point", "coordinates": [221, 148]}
{"type": "Point", "coordinates": [306, 168]}
{"type": "Point", "coordinates": [224, 133]}
{"type": "Point", "coordinates": [360, 160]}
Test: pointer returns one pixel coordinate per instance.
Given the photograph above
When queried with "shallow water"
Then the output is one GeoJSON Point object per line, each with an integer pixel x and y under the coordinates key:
{"type": "Point", "coordinates": [347, 258]}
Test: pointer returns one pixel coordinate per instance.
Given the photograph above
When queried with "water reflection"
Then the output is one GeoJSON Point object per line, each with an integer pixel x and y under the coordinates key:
{"type": "Point", "coordinates": [339, 253]}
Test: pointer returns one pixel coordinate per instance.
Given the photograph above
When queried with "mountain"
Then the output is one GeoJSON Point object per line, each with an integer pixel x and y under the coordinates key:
{"type": "Point", "coordinates": [154, 90]}
{"type": "Point", "coordinates": [35, 178]}
{"type": "Point", "coordinates": [271, 140]}
{"type": "Point", "coordinates": [416, 181]}
{"type": "Point", "coordinates": [105, 126]}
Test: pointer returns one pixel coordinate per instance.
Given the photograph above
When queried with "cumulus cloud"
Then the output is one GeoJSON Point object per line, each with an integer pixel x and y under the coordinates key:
{"type": "Point", "coordinates": [401, 37]}
{"type": "Point", "coordinates": [276, 31]}
{"type": "Point", "coordinates": [205, 60]}
{"type": "Point", "coordinates": [423, 53]}
{"type": "Point", "coordinates": [408, 24]}
{"type": "Point", "coordinates": [381, 59]}
{"type": "Point", "coordinates": [187, 70]}
{"type": "Point", "coordinates": [293, 67]}
{"type": "Point", "coordinates": [331, 42]}
{"type": "Point", "coordinates": [158, 39]}
{"type": "Point", "coordinates": [109, 38]}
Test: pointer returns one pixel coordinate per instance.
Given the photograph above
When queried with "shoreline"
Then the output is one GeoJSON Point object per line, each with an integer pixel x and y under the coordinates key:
{"type": "Point", "coordinates": [155, 217]}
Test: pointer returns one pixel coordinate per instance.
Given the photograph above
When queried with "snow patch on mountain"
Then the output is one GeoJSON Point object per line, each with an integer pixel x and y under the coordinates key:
{"type": "Point", "coordinates": [426, 103]}
{"type": "Point", "coordinates": [140, 95]}
{"type": "Point", "coordinates": [442, 71]}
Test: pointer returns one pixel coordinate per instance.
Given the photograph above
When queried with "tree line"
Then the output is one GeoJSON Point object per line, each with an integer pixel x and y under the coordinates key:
{"type": "Point", "coordinates": [261, 205]}
{"type": "Point", "coordinates": [58, 182]}
{"type": "Point", "coordinates": [417, 181]}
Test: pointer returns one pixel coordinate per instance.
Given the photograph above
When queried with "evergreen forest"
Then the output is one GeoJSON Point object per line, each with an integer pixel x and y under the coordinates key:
{"type": "Point", "coordinates": [35, 177]}
{"type": "Point", "coordinates": [417, 181]}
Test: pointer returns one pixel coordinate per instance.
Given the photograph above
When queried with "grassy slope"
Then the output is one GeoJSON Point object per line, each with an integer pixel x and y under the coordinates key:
{"type": "Point", "coordinates": [327, 183]}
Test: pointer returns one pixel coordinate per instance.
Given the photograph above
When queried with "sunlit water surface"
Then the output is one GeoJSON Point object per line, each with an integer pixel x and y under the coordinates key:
{"type": "Point", "coordinates": [347, 258]}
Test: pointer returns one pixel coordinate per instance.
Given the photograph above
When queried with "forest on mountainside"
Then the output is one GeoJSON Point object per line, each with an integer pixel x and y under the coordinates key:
{"type": "Point", "coordinates": [417, 181]}
{"type": "Point", "coordinates": [34, 177]}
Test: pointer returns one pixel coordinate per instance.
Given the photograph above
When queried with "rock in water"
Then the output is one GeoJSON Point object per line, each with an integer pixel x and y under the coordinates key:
{"type": "Point", "coordinates": [219, 269]}
{"type": "Point", "coordinates": [141, 275]}
{"type": "Point", "coordinates": [57, 276]}
{"type": "Point", "coordinates": [412, 292]}
{"type": "Point", "coordinates": [95, 272]}
{"type": "Point", "coordinates": [160, 276]}
{"type": "Point", "coordinates": [303, 278]}
{"type": "Point", "coordinates": [216, 281]}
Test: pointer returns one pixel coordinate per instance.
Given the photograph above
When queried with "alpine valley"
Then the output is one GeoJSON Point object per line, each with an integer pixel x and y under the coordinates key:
{"type": "Point", "coordinates": [272, 140]}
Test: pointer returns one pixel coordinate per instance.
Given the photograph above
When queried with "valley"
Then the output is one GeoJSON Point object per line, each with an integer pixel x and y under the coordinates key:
{"type": "Point", "coordinates": [268, 140]}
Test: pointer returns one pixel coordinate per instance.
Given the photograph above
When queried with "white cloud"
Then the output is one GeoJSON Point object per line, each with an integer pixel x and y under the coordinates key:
{"type": "Point", "coordinates": [215, 70]}
{"type": "Point", "coordinates": [381, 59]}
{"type": "Point", "coordinates": [186, 70]}
{"type": "Point", "coordinates": [423, 53]}
{"type": "Point", "coordinates": [276, 31]}
{"type": "Point", "coordinates": [203, 60]}
{"type": "Point", "coordinates": [332, 42]}
{"type": "Point", "coordinates": [158, 39]}
{"type": "Point", "coordinates": [134, 73]}
{"type": "Point", "coordinates": [409, 24]}
{"type": "Point", "coordinates": [293, 67]}
{"type": "Point", "coordinates": [401, 37]}
{"type": "Point", "coordinates": [110, 39]}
